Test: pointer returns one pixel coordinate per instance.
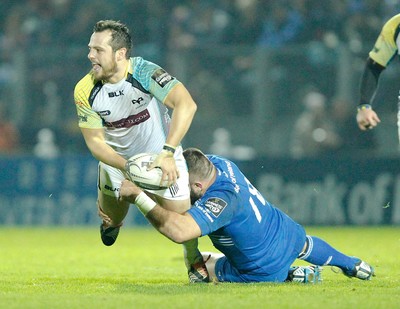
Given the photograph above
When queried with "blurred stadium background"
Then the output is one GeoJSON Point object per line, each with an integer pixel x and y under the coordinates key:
{"type": "Point", "coordinates": [257, 70]}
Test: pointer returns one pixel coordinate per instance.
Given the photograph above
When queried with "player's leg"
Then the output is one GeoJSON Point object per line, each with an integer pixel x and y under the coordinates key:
{"type": "Point", "coordinates": [319, 252]}
{"type": "Point", "coordinates": [110, 209]}
{"type": "Point", "coordinates": [211, 258]}
{"type": "Point", "coordinates": [197, 270]}
{"type": "Point", "coordinates": [305, 274]}
{"type": "Point", "coordinates": [177, 198]}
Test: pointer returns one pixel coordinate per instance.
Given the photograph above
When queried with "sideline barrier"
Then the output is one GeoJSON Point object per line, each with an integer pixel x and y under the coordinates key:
{"type": "Point", "coordinates": [313, 192]}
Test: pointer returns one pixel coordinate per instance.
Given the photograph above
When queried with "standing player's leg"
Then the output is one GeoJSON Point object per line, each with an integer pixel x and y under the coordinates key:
{"type": "Point", "coordinates": [112, 213]}
{"type": "Point", "coordinates": [110, 209]}
{"type": "Point", "coordinates": [193, 259]}
{"type": "Point", "coordinates": [177, 199]}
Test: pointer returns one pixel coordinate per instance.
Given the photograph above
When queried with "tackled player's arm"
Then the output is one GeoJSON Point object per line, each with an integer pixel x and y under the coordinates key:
{"type": "Point", "coordinates": [97, 145]}
{"type": "Point", "coordinates": [184, 108]}
{"type": "Point", "coordinates": [177, 227]}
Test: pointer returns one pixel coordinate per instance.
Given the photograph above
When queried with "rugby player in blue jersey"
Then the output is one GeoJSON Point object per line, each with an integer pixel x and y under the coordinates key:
{"type": "Point", "coordinates": [258, 242]}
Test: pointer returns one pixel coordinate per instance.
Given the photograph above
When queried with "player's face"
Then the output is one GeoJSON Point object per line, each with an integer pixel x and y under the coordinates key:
{"type": "Point", "coordinates": [195, 193]}
{"type": "Point", "coordinates": [101, 55]}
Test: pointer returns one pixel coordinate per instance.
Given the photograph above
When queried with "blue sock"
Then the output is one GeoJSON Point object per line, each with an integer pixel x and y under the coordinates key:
{"type": "Point", "coordinates": [319, 252]}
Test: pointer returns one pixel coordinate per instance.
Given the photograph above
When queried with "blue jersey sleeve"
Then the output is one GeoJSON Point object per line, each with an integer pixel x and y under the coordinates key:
{"type": "Point", "coordinates": [214, 210]}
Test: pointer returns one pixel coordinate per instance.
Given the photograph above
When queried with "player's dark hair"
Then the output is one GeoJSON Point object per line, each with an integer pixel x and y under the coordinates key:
{"type": "Point", "coordinates": [198, 164]}
{"type": "Point", "coordinates": [120, 36]}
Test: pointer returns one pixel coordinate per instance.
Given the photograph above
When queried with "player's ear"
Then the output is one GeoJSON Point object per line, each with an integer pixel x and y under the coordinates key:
{"type": "Point", "coordinates": [121, 53]}
{"type": "Point", "coordinates": [198, 185]}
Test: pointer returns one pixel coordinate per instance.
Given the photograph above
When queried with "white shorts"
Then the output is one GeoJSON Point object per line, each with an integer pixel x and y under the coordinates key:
{"type": "Point", "coordinates": [110, 178]}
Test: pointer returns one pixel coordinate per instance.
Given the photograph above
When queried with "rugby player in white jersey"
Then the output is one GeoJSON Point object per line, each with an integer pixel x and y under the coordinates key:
{"type": "Point", "coordinates": [123, 109]}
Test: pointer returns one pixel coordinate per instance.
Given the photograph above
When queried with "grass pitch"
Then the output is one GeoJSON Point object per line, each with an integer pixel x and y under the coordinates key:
{"type": "Point", "coordinates": [58, 267]}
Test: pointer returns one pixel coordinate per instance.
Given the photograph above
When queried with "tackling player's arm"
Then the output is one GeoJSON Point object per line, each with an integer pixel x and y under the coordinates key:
{"type": "Point", "coordinates": [366, 116]}
{"type": "Point", "coordinates": [97, 145]}
{"type": "Point", "coordinates": [184, 108]}
{"type": "Point", "coordinates": [177, 227]}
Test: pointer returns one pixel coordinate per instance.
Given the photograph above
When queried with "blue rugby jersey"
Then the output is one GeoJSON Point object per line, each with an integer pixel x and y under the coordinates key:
{"type": "Point", "coordinates": [255, 236]}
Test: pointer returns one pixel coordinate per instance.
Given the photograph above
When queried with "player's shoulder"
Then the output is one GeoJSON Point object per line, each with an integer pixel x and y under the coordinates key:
{"type": "Point", "coordinates": [140, 64]}
{"type": "Point", "coordinates": [143, 69]}
{"type": "Point", "coordinates": [392, 24]}
{"type": "Point", "coordinates": [86, 82]}
{"type": "Point", "coordinates": [152, 77]}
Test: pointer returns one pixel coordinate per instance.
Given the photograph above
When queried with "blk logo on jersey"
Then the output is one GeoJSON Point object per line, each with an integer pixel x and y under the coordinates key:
{"type": "Point", "coordinates": [115, 94]}
{"type": "Point", "coordinates": [215, 205]}
{"type": "Point", "coordinates": [161, 77]}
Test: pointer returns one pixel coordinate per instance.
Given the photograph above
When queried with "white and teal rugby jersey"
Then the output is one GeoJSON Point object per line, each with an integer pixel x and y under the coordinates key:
{"type": "Point", "coordinates": [131, 111]}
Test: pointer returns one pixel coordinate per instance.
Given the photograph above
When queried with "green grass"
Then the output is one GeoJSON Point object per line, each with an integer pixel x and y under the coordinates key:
{"type": "Point", "coordinates": [70, 268]}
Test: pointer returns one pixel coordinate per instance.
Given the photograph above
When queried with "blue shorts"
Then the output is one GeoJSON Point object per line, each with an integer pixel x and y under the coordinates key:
{"type": "Point", "coordinates": [225, 272]}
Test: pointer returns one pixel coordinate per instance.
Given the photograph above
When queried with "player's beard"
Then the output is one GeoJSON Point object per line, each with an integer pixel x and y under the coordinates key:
{"type": "Point", "coordinates": [106, 74]}
{"type": "Point", "coordinates": [194, 197]}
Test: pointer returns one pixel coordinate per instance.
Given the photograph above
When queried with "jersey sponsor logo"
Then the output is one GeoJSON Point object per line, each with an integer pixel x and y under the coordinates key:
{"type": "Point", "coordinates": [215, 205]}
{"type": "Point", "coordinates": [104, 113]}
{"type": "Point", "coordinates": [82, 118]}
{"type": "Point", "coordinates": [132, 120]}
{"type": "Point", "coordinates": [161, 77]}
{"type": "Point", "coordinates": [376, 49]}
{"type": "Point", "coordinates": [137, 101]}
{"type": "Point", "coordinates": [107, 187]}
{"type": "Point", "coordinates": [115, 94]}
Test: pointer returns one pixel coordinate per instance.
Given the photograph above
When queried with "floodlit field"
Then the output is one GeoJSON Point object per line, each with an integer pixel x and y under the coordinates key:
{"type": "Point", "coordinates": [70, 268]}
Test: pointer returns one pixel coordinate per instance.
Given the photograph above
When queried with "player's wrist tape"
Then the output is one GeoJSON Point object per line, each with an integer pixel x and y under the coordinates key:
{"type": "Point", "coordinates": [144, 203]}
{"type": "Point", "coordinates": [362, 107]}
{"type": "Point", "coordinates": [169, 148]}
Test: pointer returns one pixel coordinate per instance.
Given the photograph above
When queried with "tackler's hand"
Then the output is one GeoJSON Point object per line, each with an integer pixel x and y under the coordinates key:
{"type": "Point", "coordinates": [128, 191]}
{"type": "Point", "coordinates": [165, 160]}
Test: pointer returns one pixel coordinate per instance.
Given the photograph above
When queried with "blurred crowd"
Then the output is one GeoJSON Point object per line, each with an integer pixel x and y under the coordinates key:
{"type": "Point", "coordinates": [51, 35]}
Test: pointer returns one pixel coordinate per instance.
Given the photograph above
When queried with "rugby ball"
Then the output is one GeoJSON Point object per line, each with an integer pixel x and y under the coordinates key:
{"type": "Point", "coordinates": [138, 173]}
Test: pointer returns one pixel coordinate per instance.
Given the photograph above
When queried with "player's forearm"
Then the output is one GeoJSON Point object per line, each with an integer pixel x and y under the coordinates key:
{"type": "Point", "coordinates": [184, 109]}
{"type": "Point", "coordinates": [106, 154]}
{"type": "Point", "coordinates": [177, 227]}
{"type": "Point", "coordinates": [182, 117]}
{"type": "Point", "coordinates": [95, 141]}
{"type": "Point", "coordinates": [170, 224]}
{"type": "Point", "coordinates": [369, 81]}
